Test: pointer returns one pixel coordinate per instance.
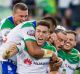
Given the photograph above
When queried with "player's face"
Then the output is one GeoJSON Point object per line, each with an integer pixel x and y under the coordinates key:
{"type": "Point", "coordinates": [70, 43]}
{"type": "Point", "coordinates": [20, 16]}
{"type": "Point", "coordinates": [41, 34]}
{"type": "Point", "coordinates": [60, 40]}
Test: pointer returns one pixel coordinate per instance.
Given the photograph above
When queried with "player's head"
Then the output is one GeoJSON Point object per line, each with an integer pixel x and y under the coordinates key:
{"type": "Point", "coordinates": [42, 32]}
{"type": "Point", "coordinates": [20, 13]}
{"type": "Point", "coordinates": [58, 38]}
{"type": "Point", "coordinates": [53, 22]}
{"type": "Point", "coordinates": [71, 41]}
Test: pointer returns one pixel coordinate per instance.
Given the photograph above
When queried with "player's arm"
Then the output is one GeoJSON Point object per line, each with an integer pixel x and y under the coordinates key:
{"type": "Point", "coordinates": [27, 33]}
{"type": "Point", "coordinates": [52, 70]}
{"type": "Point", "coordinates": [34, 50]}
{"type": "Point", "coordinates": [38, 52]}
{"type": "Point", "coordinates": [5, 32]}
{"type": "Point", "coordinates": [11, 50]}
{"type": "Point", "coordinates": [55, 63]}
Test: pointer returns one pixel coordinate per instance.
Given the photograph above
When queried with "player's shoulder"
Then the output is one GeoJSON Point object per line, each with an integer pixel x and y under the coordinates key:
{"type": "Point", "coordinates": [49, 46]}
{"type": "Point", "coordinates": [27, 24]}
{"type": "Point", "coordinates": [6, 23]}
{"type": "Point", "coordinates": [74, 50]}
{"type": "Point", "coordinates": [2, 21]}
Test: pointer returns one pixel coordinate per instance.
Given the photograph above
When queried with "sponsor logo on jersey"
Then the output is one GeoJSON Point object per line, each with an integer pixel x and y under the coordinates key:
{"type": "Point", "coordinates": [68, 66]}
{"type": "Point", "coordinates": [31, 32]}
{"type": "Point", "coordinates": [28, 61]}
{"type": "Point", "coordinates": [41, 63]}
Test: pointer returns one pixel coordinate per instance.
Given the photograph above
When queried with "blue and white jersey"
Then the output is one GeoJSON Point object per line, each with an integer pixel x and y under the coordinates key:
{"type": "Point", "coordinates": [9, 66]}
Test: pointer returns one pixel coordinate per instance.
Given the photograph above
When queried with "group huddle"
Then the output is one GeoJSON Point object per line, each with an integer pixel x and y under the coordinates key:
{"type": "Point", "coordinates": [36, 47]}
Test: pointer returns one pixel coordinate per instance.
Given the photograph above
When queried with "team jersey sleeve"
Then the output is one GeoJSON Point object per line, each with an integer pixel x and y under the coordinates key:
{"type": "Point", "coordinates": [1, 39]}
{"type": "Point", "coordinates": [5, 26]}
{"type": "Point", "coordinates": [79, 64]}
{"type": "Point", "coordinates": [79, 60]}
{"type": "Point", "coordinates": [50, 47]}
{"type": "Point", "coordinates": [27, 33]}
{"type": "Point", "coordinates": [4, 33]}
{"type": "Point", "coordinates": [54, 49]}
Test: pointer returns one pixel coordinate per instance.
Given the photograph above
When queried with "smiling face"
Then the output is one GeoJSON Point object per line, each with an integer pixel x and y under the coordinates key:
{"type": "Point", "coordinates": [41, 34]}
{"type": "Point", "coordinates": [20, 16]}
{"type": "Point", "coordinates": [70, 43]}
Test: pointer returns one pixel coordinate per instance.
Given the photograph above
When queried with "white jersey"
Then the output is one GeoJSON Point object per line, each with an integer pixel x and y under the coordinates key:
{"type": "Point", "coordinates": [1, 39]}
{"type": "Point", "coordinates": [70, 68]}
{"type": "Point", "coordinates": [20, 32]}
{"type": "Point", "coordinates": [29, 65]}
{"type": "Point", "coordinates": [25, 63]}
{"type": "Point", "coordinates": [24, 31]}
{"type": "Point", "coordinates": [6, 25]}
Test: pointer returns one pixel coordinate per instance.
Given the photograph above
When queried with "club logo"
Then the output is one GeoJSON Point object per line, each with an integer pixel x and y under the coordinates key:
{"type": "Point", "coordinates": [31, 32]}
{"type": "Point", "coordinates": [27, 61]}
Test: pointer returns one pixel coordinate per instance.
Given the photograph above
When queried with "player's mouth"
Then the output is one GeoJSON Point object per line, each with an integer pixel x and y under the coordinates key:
{"type": "Point", "coordinates": [59, 47]}
{"type": "Point", "coordinates": [68, 44]}
{"type": "Point", "coordinates": [40, 39]}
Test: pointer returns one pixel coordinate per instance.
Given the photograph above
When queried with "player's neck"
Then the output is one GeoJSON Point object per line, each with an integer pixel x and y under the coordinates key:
{"type": "Point", "coordinates": [67, 51]}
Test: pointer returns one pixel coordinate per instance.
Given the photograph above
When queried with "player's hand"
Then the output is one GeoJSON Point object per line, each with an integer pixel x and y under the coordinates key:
{"type": "Point", "coordinates": [54, 57]}
{"type": "Point", "coordinates": [55, 65]}
{"type": "Point", "coordinates": [9, 51]}
{"type": "Point", "coordinates": [6, 54]}
{"type": "Point", "coordinates": [59, 62]}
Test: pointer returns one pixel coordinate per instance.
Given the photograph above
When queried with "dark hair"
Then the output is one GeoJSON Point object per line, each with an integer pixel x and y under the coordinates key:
{"type": "Point", "coordinates": [52, 19]}
{"type": "Point", "coordinates": [71, 32]}
{"type": "Point", "coordinates": [20, 6]}
{"type": "Point", "coordinates": [43, 23]}
{"type": "Point", "coordinates": [58, 20]}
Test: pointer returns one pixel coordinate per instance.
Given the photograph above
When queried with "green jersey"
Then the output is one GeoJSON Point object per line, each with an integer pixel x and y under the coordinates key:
{"type": "Point", "coordinates": [5, 26]}
{"type": "Point", "coordinates": [70, 61]}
